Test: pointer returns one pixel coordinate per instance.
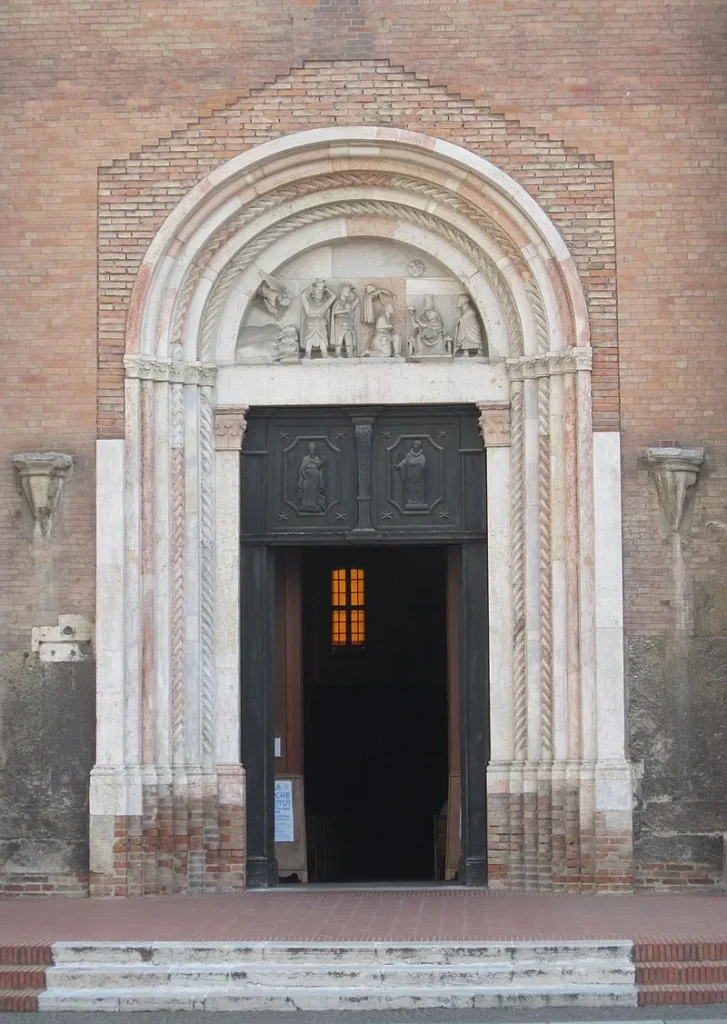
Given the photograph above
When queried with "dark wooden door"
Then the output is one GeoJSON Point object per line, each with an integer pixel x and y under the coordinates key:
{"type": "Point", "coordinates": [396, 478]}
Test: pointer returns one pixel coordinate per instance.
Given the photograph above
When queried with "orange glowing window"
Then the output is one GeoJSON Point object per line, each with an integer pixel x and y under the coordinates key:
{"type": "Point", "coordinates": [348, 615]}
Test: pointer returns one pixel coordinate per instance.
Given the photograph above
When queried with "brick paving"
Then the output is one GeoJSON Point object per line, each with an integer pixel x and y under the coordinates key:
{"type": "Point", "coordinates": [351, 915]}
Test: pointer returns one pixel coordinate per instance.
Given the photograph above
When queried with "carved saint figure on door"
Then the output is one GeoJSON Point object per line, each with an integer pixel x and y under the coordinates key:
{"type": "Point", "coordinates": [316, 300]}
{"type": "Point", "coordinates": [311, 485]}
{"type": "Point", "coordinates": [412, 469]}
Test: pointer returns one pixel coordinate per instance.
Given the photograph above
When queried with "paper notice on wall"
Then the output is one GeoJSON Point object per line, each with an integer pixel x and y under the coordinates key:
{"type": "Point", "coordinates": [284, 828]}
{"type": "Point", "coordinates": [278, 747]}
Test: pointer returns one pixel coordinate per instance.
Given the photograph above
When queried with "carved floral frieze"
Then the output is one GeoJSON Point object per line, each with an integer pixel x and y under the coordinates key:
{"type": "Point", "coordinates": [567, 360]}
{"type": "Point", "coordinates": [164, 370]}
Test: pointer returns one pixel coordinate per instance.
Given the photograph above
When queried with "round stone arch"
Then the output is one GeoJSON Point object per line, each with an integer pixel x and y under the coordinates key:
{"type": "Point", "coordinates": [168, 754]}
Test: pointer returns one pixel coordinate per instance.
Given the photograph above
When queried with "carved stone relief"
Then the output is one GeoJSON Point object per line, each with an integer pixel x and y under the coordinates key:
{"type": "Point", "coordinates": [310, 485]}
{"type": "Point", "coordinates": [674, 471]}
{"type": "Point", "coordinates": [360, 299]}
{"type": "Point", "coordinates": [42, 475]}
{"type": "Point", "coordinates": [416, 473]}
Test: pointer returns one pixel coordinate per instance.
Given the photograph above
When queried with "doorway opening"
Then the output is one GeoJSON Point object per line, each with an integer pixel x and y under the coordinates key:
{"type": "Point", "coordinates": [375, 712]}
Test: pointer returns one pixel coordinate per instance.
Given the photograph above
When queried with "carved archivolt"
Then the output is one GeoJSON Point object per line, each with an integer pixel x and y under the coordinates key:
{"type": "Point", "coordinates": [351, 208]}
{"type": "Point", "coordinates": [325, 185]}
{"type": "Point", "coordinates": [193, 269]}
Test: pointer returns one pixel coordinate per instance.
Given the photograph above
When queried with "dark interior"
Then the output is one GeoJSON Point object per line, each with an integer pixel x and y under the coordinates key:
{"type": "Point", "coordinates": [375, 717]}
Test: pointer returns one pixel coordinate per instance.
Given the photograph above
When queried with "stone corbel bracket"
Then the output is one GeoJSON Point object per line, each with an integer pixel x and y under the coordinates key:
{"type": "Point", "coordinates": [42, 475]}
{"type": "Point", "coordinates": [674, 471]}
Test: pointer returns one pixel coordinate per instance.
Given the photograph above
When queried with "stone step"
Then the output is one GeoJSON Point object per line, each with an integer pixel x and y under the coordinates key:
{"type": "Point", "coordinates": [617, 951]}
{"type": "Point", "coordinates": [13, 976]}
{"type": "Point", "coordinates": [335, 998]}
{"type": "Point", "coordinates": [99, 976]}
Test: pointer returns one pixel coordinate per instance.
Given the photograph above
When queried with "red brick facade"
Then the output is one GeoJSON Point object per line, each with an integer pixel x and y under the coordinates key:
{"type": "Point", "coordinates": [136, 195]}
{"type": "Point", "coordinates": [608, 114]}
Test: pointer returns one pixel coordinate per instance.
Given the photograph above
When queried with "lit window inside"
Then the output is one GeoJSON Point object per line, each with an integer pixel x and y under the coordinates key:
{"type": "Point", "coordinates": [348, 616]}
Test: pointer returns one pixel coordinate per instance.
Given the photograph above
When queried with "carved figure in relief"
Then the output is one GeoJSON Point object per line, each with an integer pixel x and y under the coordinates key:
{"type": "Point", "coordinates": [427, 337]}
{"type": "Point", "coordinates": [345, 321]}
{"type": "Point", "coordinates": [468, 334]}
{"type": "Point", "coordinates": [316, 300]}
{"type": "Point", "coordinates": [412, 470]}
{"type": "Point", "coordinates": [287, 349]}
{"type": "Point", "coordinates": [273, 295]}
{"type": "Point", "coordinates": [378, 312]}
{"type": "Point", "coordinates": [311, 484]}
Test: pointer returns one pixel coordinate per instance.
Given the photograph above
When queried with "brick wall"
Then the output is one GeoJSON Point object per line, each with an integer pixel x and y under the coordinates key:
{"type": "Point", "coordinates": [635, 83]}
{"type": "Point", "coordinates": [136, 195]}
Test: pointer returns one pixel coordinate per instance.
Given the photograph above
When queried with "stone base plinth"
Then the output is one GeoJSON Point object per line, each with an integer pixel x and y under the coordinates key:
{"type": "Point", "coordinates": [158, 830]}
{"type": "Point", "coordinates": [550, 826]}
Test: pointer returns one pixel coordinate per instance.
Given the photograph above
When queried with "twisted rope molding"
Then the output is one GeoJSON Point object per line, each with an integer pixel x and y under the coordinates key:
{"type": "Point", "coordinates": [207, 567]}
{"type": "Point", "coordinates": [439, 194]}
{"type": "Point", "coordinates": [348, 208]}
{"type": "Point", "coordinates": [178, 616]}
{"type": "Point", "coordinates": [545, 564]}
{"type": "Point", "coordinates": [229, 229]}
{"type": "Point", "coordinates": [517, 457]}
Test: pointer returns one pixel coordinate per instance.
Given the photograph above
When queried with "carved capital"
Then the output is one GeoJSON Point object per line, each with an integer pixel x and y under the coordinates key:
{"type": "Point", "coordinates": [165, 371]}
{"type": "Point", "coordinates": [42, 475]}
{"type": "Point", "coordinates": [494, 424]}
{"type": "Point", "coordinates": [674, 471]}
{"type": "Point", "coordinates": [230, 428]}
{"type": "Point", "coordinates": [566, 360]}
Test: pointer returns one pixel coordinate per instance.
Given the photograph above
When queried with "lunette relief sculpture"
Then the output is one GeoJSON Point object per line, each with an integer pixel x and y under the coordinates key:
{"type": "Point", "coordinates": [405, 310]}
{"type": "Point", "coordinates": [316, 301]}
{"type": "Point", "coordinates": [427, 337]}
{"type": "Point", "coordinates": [344, 314]}
{"type": "Point", "coordinates": [379, 313]}
{"type": "Point", "coordinates": [273, 296]}
{"type": "Point", "coordinates": [468, 339]}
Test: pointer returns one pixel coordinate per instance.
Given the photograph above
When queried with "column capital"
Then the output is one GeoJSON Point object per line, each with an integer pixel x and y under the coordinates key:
{"type": "Point", "coordinates": [138, 367]}
{"type": "Point", "coordinates": [230, 427]}
{"type": "Point", "coordinates": [550, 364]}
{"type": "Point", "coordinates": [494, 424]}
